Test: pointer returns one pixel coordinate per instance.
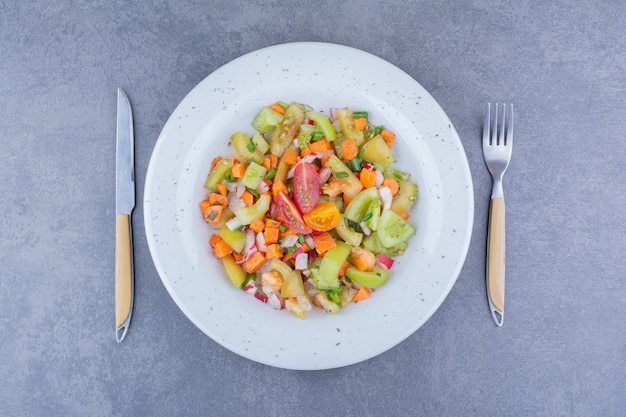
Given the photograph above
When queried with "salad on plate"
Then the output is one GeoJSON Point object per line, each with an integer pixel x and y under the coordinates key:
{"type": "Point", "coordinates": [310, 210]}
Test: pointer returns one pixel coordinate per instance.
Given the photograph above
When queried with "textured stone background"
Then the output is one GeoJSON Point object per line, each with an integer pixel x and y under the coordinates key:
{"type": "Point", "coordinates": [562, 350]}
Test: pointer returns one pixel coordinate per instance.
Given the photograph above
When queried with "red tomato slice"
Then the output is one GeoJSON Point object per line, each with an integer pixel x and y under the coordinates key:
{"type": "Point", "coordinates": [290, 214]}
{"type": "Point", "coordinates": [306, 187]}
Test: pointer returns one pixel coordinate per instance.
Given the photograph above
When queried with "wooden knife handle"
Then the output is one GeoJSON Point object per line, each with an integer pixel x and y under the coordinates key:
{"type": "Point", "coordinates": [495, 260]}
{"type": "Point", "coordinates": [123, 272]}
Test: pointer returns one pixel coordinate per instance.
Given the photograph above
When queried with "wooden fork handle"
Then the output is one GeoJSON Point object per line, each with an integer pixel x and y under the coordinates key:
{"type": "Point", "coordinates": [495, 260]}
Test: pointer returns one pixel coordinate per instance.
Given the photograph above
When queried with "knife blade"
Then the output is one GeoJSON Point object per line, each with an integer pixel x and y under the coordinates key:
{"type": "Point", "coordinates": [124, 205]}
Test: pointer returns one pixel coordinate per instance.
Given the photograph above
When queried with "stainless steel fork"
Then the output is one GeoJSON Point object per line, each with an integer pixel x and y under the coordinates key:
{"type": "Point", "coordinates": [497, 145]}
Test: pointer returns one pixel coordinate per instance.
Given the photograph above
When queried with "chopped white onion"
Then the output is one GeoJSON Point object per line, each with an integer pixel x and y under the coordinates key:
{"type": "Point", "coordinates": [289, 241]}
{"type": "Point", "coordinates": [379, 178]}
{"type": "Point", "coordinates": [325, 174]}
{"type": "Point", "coordinates": [235, 203]}
{"type": "Point", "coordinates": [304, 302]}
{"type": "Point", "coordinates": [263, 187]}
{"type": "Point", "coordinates": [310, 157]}
{"type": "Point", "coordinates": [234, 223]}
{"type": "Point", "coordinates": [366, 230]}
{"type": "Point", "coordinates": [250, 248]}
{"type": "Point", "coordinates": [250, 288]}
{"type": "Point", "coordinates": [231, 186]}
{"type": "Point", "coordinates": [302, 261]}
{"type": "Point", "coordinates": [308, 239]}
{"type": "Point", "coordinates": [290, 172]}
{"type": "Point", "coordinates": [260, 242]}
{"type": "Point", "coordinates": [240, 188]}
{"type": "Point", "coordinates": [386, 197]}
{"type": "Point", "coordinates": [275, 301]}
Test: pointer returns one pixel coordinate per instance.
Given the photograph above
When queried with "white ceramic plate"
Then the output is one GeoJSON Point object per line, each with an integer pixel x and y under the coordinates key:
{"type": "Point", "coordinates": [322, 76]}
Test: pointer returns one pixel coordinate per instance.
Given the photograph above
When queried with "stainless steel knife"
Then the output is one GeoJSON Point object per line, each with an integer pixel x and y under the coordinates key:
{"type": "Point", "coordinates": [124, 204]}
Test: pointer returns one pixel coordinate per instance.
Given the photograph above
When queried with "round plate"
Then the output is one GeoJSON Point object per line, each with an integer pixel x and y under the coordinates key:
{"type": "Point", "coordinates": [323, 76]}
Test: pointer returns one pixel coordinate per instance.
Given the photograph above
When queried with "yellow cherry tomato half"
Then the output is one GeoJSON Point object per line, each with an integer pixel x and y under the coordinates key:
{"type": "Point", "coordinates": [323, 217]}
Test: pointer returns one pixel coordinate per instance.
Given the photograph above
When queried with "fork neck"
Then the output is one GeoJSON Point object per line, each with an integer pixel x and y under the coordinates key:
{"type": "Point", "coordinates": [497, 191]}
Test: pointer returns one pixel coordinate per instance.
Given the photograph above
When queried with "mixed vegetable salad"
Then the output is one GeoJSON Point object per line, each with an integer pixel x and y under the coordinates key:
{"type": "Point", "coordinates": [309, 211]}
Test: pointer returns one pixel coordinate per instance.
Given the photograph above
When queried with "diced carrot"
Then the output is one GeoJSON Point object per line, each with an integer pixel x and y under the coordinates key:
{"type": "Point", "coordinates": [288, 232]}
{"type": "Point", "coordinates": [238, 170]}
{"type": "Point", "coordinates": [254, 263]}
{"type": "Point", "coordinates": [290, 156]}
{"type": "Point", "coordinates": [213, 214]}
{"type": "Point", "coordinates": [258, 225]}
{"type": "Point", "coordinates": [221, 188]}
{"type": "Point", "coordinates": [320, 145]}
{"type": "Point", "coordinates": [204, 205]}
{"type": "Point", "coordinates": [360, 123]}
{"type": "Point", "coordinates": [323, 242]}
{"type": "Point", "coordinates": [238, 257]}
{"type": "Point", "coordinates": [267, 163]}
{"type": "Point", "coordinates": [214, 239]}
{"type": "Point", "coordinates": [344, 266]}
{"type": "Point", "coordinates": [405, 215]}
{"type": "Point", "coordinates": [247, 198]}
{"type": "Point", "coordinates": [273, 160]}
{"type": "Point", "coordinates": [367, 177]}
{"type": "Point", "coordinates": [363, 259]}
{"type": "Point", "coordinates": [392, 185]}
{"type": "Point", "coordinates": [273, 251]}
{"type": "Point", "coordinates": [305, 151]}
{"type": "Point", "coordinates": [305, 247]}
{"type": "Point", "coordinates": [216, 199]}
{"type": "Point", "coordinates": [361, 294]}
{"type": "Point", "coordinates": [346, 199]}
{"type": "Point", "coordinates": [277, 187]}
{"type": "Point", "coordinates": [271, 223]}
{"type": "Point", "coordinates": [277, 108]}
{"type": "Point", "coordinates": [388, 136]}
{"type": "Point", "coordinates": [289, 260]}
{"type": "Point", "coordinates": [222, 249]}
{"type": "Point", "coordinates": [271, 235]}
{"type": "Point", "coordinates": [349, 150]}
{"type": "Point", "coordinates": [215, 162]}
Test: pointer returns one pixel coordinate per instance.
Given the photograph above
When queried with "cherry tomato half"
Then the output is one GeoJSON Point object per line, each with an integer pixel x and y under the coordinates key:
{"type": "Point", "coordinates": [306, 187]}
{"type": "Point", "coordinates": [290, 214]}
{"type": "Point", "coordinates": [323, 217]}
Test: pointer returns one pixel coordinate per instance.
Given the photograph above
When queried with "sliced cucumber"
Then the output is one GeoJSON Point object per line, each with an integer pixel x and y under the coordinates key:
{"type": "Point", "coordinates": [372, 215]}
{"type": "Point", "coordinates": [292, 285]}
{"type": "Point", "coordinates": [372, 243]}
{"type": "Point", "coordinates": [240, 142]}
{"type": "Point", "coordinates": [407, 195]}
{"type": "Point", "coordinates": [327, 276]}
{"type": "Point", "coordinates": [324, 124]}
{"type": "Point", "coordinates": [217, 174]}
{"type": "Point", "coordinates": [350, 184]}
{"type": "Point", "coordinates": [377, 151]}
{"type": "Point", "coordinates": [247, 215]}
{"type": "Point", "coordinates": [347, 234]}
{"type": "Point", "coordinates": [284, 132]}
{"type": "Point", "coordinates": [360, 204]}
{"type": "Point", "coordinates": [254, 175]}
{"type": "Point", "coordinates": [393, 229]}
{"type": "Point", "coordinates": [373, 279]}
{"type": "Point", "coordinates": [397, 175]}
{"type": "Point", "coordinates": [236, 239]}
{"type": "Point", "coordinates": [266, 119]}
{"type": "Point", "coordinates": [346, 121]}
{"type": "Point", "coordinates": [235, 273]}
{"type": "Point", "coordinates": [260, 143]}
